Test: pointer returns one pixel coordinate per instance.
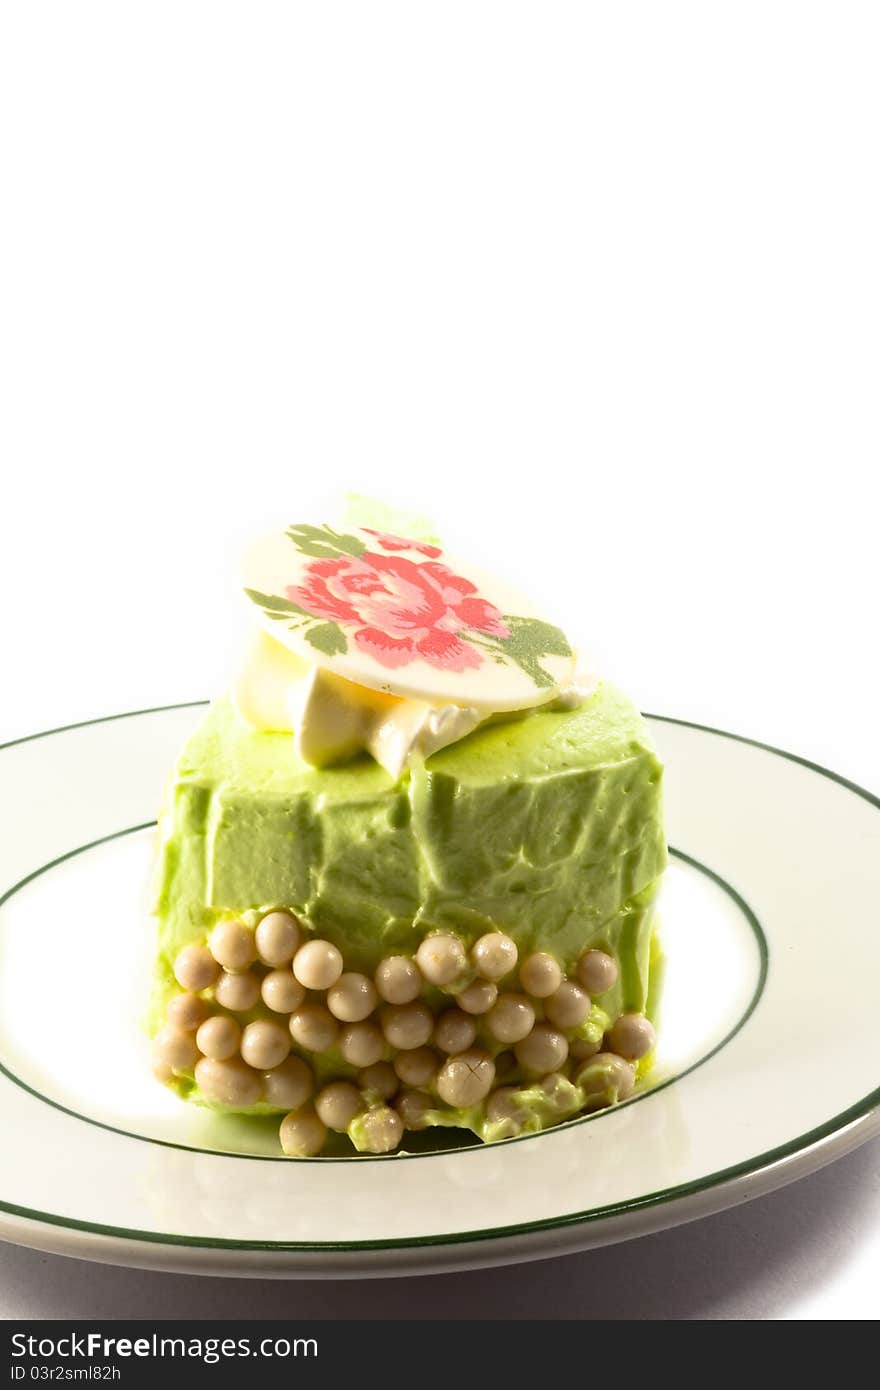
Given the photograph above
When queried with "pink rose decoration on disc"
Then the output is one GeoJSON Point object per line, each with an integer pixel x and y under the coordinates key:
{"type": "Point", "coordinates": [401, 616]}
{"type": "Point", "coordinates": [402, 610]}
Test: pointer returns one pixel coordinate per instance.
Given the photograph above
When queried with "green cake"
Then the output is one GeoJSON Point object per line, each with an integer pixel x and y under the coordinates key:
{"type": "Point", "coordinates": [465, 940]}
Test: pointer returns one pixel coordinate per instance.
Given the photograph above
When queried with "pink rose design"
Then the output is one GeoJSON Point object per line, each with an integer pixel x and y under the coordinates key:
{"type": "Point", "coordinates": [403, 610]}
{"type": "Point", "coordinates": [388, 541]}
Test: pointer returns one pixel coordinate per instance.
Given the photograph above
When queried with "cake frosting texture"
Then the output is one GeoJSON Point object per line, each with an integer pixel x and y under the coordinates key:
{"type": "Point", "coordinates": [547, 827]}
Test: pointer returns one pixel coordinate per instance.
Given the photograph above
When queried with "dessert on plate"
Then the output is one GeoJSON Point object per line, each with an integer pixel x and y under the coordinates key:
{"type": "Point", "coordinates": [409, 864]}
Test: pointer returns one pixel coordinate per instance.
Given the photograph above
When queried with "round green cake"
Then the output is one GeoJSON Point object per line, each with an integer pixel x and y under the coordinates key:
{"type": "Point", "coordinates": [471, 943]}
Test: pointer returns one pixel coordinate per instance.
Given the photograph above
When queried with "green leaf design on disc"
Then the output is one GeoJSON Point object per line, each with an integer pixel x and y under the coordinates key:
{"type": "Point", "coordinates": [529, 641]}
{"type": "Point", "coordinates": [327, 638]}
{"type": "Point", "coordinates": [274, 606]}
{"type": "Point", "coordinates": [323, 542]}
{"type": "Point", "coordinates": [530, 637]}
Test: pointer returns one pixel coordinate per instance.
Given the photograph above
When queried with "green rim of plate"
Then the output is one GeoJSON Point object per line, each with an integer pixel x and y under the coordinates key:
{"type": "Point", "coordinates": [860, 1111]}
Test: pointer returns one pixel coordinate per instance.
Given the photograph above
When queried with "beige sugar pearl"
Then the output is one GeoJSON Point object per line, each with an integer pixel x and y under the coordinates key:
{"type": "Point", "coordinates": [228, 1083]}
{"type": "Point", "coordinates": [412, 1106]}
{"type": "Point", "coordinates": [317, 964]}
{"type": "Point", "coordinates": [632, 1036]}
{"type": "Point", "coordinates": [278, 937]}
{"type": "Point", "coordinates": [418, 1067]}
{"type": "Point", "coordinates": [597, 971]}
{"type": "Point", "coordinates": [544, 1050]}
{"type": "Point", "coordinates": [478, 998]}
{"type": "Point", "coordinates": [605, 1071]}
{"type": "Point", "coordinates": [581, 1049]}
{"type": "Point", "coordinates": [337, 1105]}
{"type": "Point", "coordinates": [494, 955]}
{"type": "Point", "coordinates": [314, 1027]}
{"type": "Point", "coordinates": [232, 945]}
{"type": "Point", "coordinates": [454, 1031]}
{"type": "Point", "coordinates": [289, 1085]}
{"type": "Point", "coordinates": [195, 968]}
{"type": "Point", "coordinates": [569, 1006]}
{"type": "Point", "coordinates": [219, 1037]}
{"type": "Point", "coordinates": [540, 975]}
{"type": "Point", "coordinates": [237, 992]}
{"type": "Point", "coordinates": [362, 1044]}
{"type": "Point", "coordinates": [302, 1134]}
{"type": "Point", "coordinates": [380, 1079]}
{"type": "Point", "coordinates": [281, 992]}
{"type": "Point", "coordinates": [174, 1050]}
{"type": "Point", "coordinates": [466, 1079]}
{"type": "Point", "coordinates": [381, 1130]}
{"type": "Point", "coordinates": [504, 1104]}
{"type": "Point", "coordinates": [265, 1044]}
{"type": "Point", "coordinates": [407, 1025]}
{"type": "Point", "coordinates": [353, 997]}
{"type": "Point", "coordinates": [555, 1085]}
{"type": "Point", "coordinates": [441, 959]}
{"type": "Point", "coordinates": [398, 980]}
{"type": "Point", "coordinates": [187, 1011]}
{"type": "Point", "coordinates": [511, 1018]}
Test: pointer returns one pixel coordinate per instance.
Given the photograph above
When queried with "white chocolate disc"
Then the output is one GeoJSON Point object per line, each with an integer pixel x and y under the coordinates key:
{"type": "Point", "coordinates": [402, 617]}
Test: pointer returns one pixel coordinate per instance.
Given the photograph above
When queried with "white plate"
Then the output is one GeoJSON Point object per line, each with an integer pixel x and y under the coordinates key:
{"type": "Point", "coordinates": [768, 1064]}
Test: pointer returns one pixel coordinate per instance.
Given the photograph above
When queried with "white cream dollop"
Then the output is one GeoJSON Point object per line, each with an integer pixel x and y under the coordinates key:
{"type": "Point", "coordinates": [332, 719]}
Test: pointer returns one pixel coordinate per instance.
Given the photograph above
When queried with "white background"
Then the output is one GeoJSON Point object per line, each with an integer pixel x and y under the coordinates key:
{"type": "Point", "coordinates": [596, 287]}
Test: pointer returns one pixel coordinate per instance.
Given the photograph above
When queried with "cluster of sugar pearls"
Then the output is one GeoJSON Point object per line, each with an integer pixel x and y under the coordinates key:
{"type": "Point", "coordinates": [313, 1004]}
{"type": "Point", "coordinates": [536, 1021]}
{"type": "Point", "coordinates": [454, 1055]}
{"type": "Point", "coordinates": [235, 1063]}
{"type": "Point", "coordinates": [541, 1048]}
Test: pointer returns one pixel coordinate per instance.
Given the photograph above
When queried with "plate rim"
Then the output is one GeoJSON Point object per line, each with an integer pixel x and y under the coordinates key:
{"type": "Point", "coordinates": [729, 1187]}
{"type": "Point", "coordinates": [805, 1152]}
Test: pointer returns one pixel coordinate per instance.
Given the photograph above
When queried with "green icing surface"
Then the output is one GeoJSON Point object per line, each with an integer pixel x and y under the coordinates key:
{"type": "Point", "coordinates": [548, 827]}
